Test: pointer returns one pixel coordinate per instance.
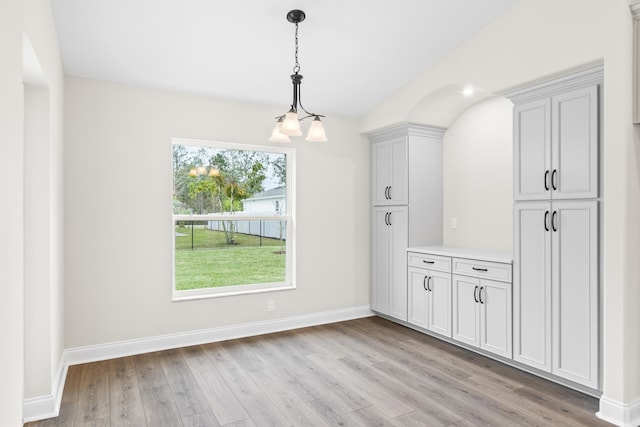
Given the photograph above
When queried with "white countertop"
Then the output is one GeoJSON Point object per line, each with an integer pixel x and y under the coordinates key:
{"type": "Point", "coordinates": [479, 254]}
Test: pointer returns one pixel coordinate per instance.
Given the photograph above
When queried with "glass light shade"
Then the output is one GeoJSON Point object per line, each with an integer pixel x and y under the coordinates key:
{"type": "Point", "coordinates": [202, 170]}
{"type": "Point", "coordinates": [291, 124]}
{"type": "Point", "coordinates": [276, 135]}
{"type": "Point", "coordinates": [193, 172]}
{"type": "Point", "coordinates": [214, 172]}
{"type": "Point", "coordinates": [316, 131]}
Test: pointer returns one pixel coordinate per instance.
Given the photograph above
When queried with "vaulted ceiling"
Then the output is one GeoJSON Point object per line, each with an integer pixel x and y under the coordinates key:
{"type": "Point", "coordinates": [353, 53]}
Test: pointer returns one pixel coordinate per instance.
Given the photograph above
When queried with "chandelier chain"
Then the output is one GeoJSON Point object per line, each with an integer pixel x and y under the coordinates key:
{"type": "Point", "coordinates": [296, 68]}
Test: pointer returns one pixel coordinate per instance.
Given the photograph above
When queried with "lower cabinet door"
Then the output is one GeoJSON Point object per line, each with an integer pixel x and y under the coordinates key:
{"type": "Point", "coordinates": [575, 291]}
{"type": "Point", "coordinates": [439, 313]}
{"type": "Point", "coordinates": [381, 266]}
{"type": "Point", "coordinates": [495, 317]}
{"type": "Point", "coordinates": [418, 296]}
{"type": "Point", "coordinates": [398, 220]}
{"type": "Point", "coordinates": [466, 326]}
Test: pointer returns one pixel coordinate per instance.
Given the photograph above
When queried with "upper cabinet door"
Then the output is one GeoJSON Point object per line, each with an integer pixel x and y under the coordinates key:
{"type": "Point", "coordinates": [390, 172]}
{"type": "Point", "coordinates": [532, 150]}
{"type": "Point", "coordinates": [399, 185]}
{"type": "Point", "coordinates": [574, 159]}
{"type": "Point", "coordinates": [380, 173]}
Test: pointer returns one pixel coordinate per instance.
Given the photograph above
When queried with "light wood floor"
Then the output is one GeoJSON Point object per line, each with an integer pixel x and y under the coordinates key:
{"type": "Point", "coordinates": [366, 372]}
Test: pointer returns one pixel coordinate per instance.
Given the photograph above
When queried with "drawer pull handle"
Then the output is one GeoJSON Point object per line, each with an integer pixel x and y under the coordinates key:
{"type": "Point", "coordinates": [428, 262]}
{"type": "Point", "coordinates": [479, 269]}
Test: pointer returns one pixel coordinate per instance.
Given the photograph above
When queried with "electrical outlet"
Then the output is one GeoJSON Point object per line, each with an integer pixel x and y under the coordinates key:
{"type": "Point", "coordinates": [454, 222]}
{"type": "Point", "coordinates": [271, 305]}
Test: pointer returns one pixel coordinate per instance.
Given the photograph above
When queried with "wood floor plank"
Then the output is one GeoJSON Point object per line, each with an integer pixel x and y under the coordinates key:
{"type": "Point", "coordinates": [159, 407]}
{"type": "Point", "coordinates": [428, 417]}
{"type": "Point", "coordinates": [304, 386]}
{"type": "Point", "coordinates": [317, 376]}
{"type": "Point", "coordinates": [149, 370]}
{"type": "Point", "coordinates": [369, 417]}
{"type": "Point", "coordinates": [253, 399]}
{"type": "Point", "coordinates": [290, 405]}
{"type": "Point", "coordinates": [186, 392]}
{"type": "Point", "coordinates": [379, 395]}
{"type": "Point", "coordinates": [203, 419]}
{"type": "Point", "coordinates": [93, 393]}
{"type": "Point", "coordinates": [72, 384]}
{"type": "Point", "coordinates": [328, 408]}
{"type": "Point", "coordinates": [124, 393]}
{"type": "Point", "coordinates": [223, 403]}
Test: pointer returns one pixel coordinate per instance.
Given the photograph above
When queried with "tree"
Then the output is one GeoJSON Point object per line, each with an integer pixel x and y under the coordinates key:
{"type": "Point", "coordinates": [214, 180]}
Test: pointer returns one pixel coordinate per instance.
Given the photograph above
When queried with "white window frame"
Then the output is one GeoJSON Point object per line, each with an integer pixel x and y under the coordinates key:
{"type": "Point", "coordinates": [289, 217]}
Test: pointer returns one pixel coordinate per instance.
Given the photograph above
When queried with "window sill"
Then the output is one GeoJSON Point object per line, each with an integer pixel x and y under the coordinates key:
{"type": "Point", "coordinates": [198, 294]}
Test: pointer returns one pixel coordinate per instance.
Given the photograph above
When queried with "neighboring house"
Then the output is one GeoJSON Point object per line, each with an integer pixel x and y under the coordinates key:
{"type": "Point", "coordinates": [268, 202]}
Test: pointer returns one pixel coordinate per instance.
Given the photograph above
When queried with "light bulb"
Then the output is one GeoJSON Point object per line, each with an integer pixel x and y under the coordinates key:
{"type": "Point", "coordinates": [291, 124]}
{"type": "Point", "coordinates": [276, 135]}
{"type": "Point", "coordinates": [316, 131]}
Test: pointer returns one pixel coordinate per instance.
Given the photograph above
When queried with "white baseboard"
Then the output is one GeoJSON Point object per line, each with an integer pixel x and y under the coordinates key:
{"type": "Point", "coordinates": [42, 407]}
{"type": "Point", "coordinates": [48, 406]}
{"type": "Point", "coordinates": [618, 413]}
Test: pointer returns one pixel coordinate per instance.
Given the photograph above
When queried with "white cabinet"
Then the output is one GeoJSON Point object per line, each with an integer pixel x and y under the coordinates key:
{"type": "Point", "coordinates": [556, 146]}
{"type": "Point", "coordinates": [556, 288]}
{"type": "Point", "coordinates": [482, 306]}
{"type": "Point", "coordinates": [390, 177]}
{"type": "Point", "coordinates": [389, 275]}
{"type": "Point", "coordinates": [555, 284]}
{"type": "Point", "coordinates": [406, 176]}
{"type": "Point", "coordinates": [430, 292]}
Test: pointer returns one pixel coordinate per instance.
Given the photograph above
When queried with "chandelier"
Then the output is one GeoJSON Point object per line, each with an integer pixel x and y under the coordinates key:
{"type": "Point", "coordinates": [288, 124]}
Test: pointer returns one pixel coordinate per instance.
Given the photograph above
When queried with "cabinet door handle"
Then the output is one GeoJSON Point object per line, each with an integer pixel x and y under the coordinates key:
{"type": "Point", "coordinates": [428, 283]}
{"type": "Point", "coordinates": [424, 283]}
{"type": "Point", "coordinates": [546, 180]}
{"type": "Point", "coordinates": [479, 269]}
{"type": "Point", "coordinates": [389, 192]}
{"type": "Point", "coordinates": [480, 295]}
{"type": "Point", "coordinates": [428, 262]}
{"type": "Point", "coordinates": [390, 218]}
{"type": "Point", "coordinates": [546, 220]}
{"type": "Point", "coordinates": [553, 221]}
{"type": "Point", "coordinates": [386, 196]}
{"type": "Point", "coordinates": [475, 294]}
{"type": "Point", "coordinates": [554, 183]}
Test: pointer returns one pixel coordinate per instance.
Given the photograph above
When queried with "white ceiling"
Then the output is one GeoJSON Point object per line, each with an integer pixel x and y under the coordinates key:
{"type": "Point", "coordinates": [353, 53]}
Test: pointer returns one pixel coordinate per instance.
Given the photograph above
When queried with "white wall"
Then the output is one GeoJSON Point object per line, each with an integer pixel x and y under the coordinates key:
{"type": "Point", "coordinates": [37, 243]}
{"type": "Point", "coordinates": [532, 40]}
{"type": "Point", "coordinates": [478, 177]}
{"type": "Point", "coordinates": [43, 194]}
{"type": "Point", "coordinates": [118, 213]}
{"type": "Point", "coordinates": [11, 240]}
{"type": "Point", "coordinates": [26, 19]}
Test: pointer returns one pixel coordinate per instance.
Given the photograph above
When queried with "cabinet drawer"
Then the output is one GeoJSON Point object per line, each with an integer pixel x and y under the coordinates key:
{"type": "Point", "coordinates": [482, 269]}
{"type": "Point", "coordinates": [432, 262]}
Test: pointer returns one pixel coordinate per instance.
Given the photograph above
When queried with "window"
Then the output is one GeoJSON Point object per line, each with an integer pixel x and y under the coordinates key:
{"type": "Point", "coordinates": [233, 222]}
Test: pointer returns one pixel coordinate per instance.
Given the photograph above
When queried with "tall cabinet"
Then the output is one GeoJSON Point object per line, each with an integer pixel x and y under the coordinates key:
{"type": "Point", "coordinates": [556, 227]}
{"type": "Point", "coordinates": [406, 172]}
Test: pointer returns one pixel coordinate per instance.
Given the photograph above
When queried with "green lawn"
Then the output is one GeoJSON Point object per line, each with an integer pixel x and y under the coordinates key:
{"type": "Point", "coordinates": [214, 263]}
